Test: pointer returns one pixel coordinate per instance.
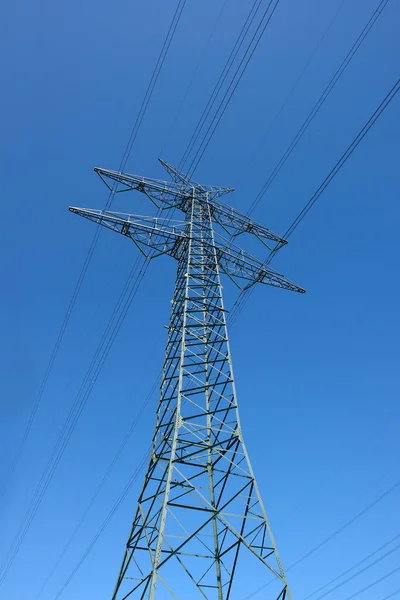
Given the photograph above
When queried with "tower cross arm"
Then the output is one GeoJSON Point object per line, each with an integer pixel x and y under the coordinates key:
{"type": "Point", "coordinates": [162, 193]}
{"type": "Point", "coordinates": [235, 223]}
{"type": "Point", "coordinates": [152, 235]}
{"type": "Point", "coordinates": [232, 220]}
{"type": "Point", "coordinates": [238, 264]}
{"type": "Point", "coordinates": [155, 236]}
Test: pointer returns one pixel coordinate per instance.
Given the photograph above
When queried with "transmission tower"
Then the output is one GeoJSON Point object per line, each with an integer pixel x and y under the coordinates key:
{"type": "Point", "coordinates": [200, 529]}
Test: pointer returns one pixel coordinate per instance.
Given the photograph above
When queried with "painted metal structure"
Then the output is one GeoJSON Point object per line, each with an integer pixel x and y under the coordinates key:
{"type": "Point", "coordinates": [200, 513]}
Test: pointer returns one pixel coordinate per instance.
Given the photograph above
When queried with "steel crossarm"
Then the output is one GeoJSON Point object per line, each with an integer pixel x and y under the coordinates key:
{"type": "Point", "coordinates": [164, 194]}
{"type": "Point", "coordinates": [236, 263]}
{"type": "Point", "coordinates": [232, 220]}
{"type": "Point", "coordinates": [177, 194]}
{"type": "Point", "coordinates": [235, 223]}
{"type": "Point", "coordinates": [165, 238]}
{"type": "Point", "coordinates": [146, 232]}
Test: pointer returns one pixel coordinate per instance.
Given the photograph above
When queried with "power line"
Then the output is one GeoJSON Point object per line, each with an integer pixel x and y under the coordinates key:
{"type": "Point", "coordinates": [360, 571]}
{"type": "Point", "coordinates": [207, 144]}
{"type": "Point", "coordinates": [218, 86]}
{"type": "Point", "coordinates": [132, 139]}
{"type": "Point", "coordinates": [369, 123]}
{"type": "Point", "coordinates": [299, 78]}
{"type": "Point", "coordinates": [255, 40]}
{"type": "Point", "coordinates": [90, 504]}
{"type": "Point", "coordinates": [345, 156]}
{"type": "Point", "coordinates": [225, 71]}
{"type": "Point", "coordinates": [242, 298]}
{"type": "Point", "coordinates": [346, 525]}
{"type": "Point", "coordinates": [193, 77]}
{"type": "Point", "coordinates": [330, 537]}
{"type": "Point", "coordinates": [368, 587]}
{"type": "Point", "coordinates": [234, 82]}
{"type": "Point", "coordinates": [335, 78]}
{"type": "Point", "coordinates": [156, 73]}
{"type": "Point", "coordinates": [106, 521]}
{"type": "Point", "coordinates": [101, 485]}
{"type": "Point", "coordinates": [87, 261]}
{"type": "Point", "coordinates": [22, 444]}
{"type": "Point", "coordinates": [352, 568]}
{"type": "Point", "coordinates": [391, 595]}
{"type": "Point", "coordinates": [70, 423]}
{"type": "Point", "coordinates": [341, 161]}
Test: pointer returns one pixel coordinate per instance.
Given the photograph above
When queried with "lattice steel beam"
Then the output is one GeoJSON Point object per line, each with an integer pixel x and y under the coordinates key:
{"type": "Point", "coordinates": [200, 525]}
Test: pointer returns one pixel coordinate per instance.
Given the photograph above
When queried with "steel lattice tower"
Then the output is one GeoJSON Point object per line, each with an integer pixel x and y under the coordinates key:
{"type": "Point", "coordinates": [200, 511]}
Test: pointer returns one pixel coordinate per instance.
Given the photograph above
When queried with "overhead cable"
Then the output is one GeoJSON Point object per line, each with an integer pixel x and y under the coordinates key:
{"type": "Point", "coordinates": [132, 138]}
{"type": "Point", "coordinates": [106, 521]}
{"type": "Point", "coordinates": [86, 511]}
{"type": "Point", "coordinates": [300, 77]}
{"type": "Point", "coordinates": [359, 572]}
{"type": "Point", "coordinates": [333, 535]}
{"type": "Point", "coordinates": [101, 485]}
{"type": "Point", "coordinates": [72, 419]}
{"type": "Point", "coordinates": [373, 584]}
{"type": "Point", "coordinates": [192, 79]}
{"type": "Point", "coordinates": [317, 106]}
{"type": "Point", "coordinates": [348, 152]}
{"type": "Point", "coordinates": [357, 564]}
{"type": "Point", "coordinates": [218, 86]}
{"type": "Point", "coordinates": [243, 297]}
{"type": "Point", "coordinates": [344, 158]}
{"type": "Point", "coordinates": [241, 69]}
{"type": "Point", "coordinates": [391, 595]}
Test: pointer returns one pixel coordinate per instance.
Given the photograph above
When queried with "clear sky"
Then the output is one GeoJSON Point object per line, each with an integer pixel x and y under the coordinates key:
{"type": "Point", "coordinates": [317, 375]}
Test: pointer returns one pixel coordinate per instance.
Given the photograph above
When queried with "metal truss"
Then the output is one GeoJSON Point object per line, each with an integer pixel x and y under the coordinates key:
{"type": "Point", "coordinates": [178, 193]}
{"type": "Point", "coordinates": [200, 527]}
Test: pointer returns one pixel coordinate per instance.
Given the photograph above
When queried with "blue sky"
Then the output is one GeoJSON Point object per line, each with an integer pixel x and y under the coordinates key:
{"type": "Point", "coordinates": [317, 375]}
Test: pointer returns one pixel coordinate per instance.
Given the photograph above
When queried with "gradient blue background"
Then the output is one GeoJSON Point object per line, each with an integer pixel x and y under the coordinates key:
{"type": "Point", "coordinates": [317, 375]}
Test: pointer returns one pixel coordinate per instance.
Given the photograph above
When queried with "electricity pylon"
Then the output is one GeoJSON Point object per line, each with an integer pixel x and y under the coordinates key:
{"type": "Point", "coordinates": [200, 529]}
